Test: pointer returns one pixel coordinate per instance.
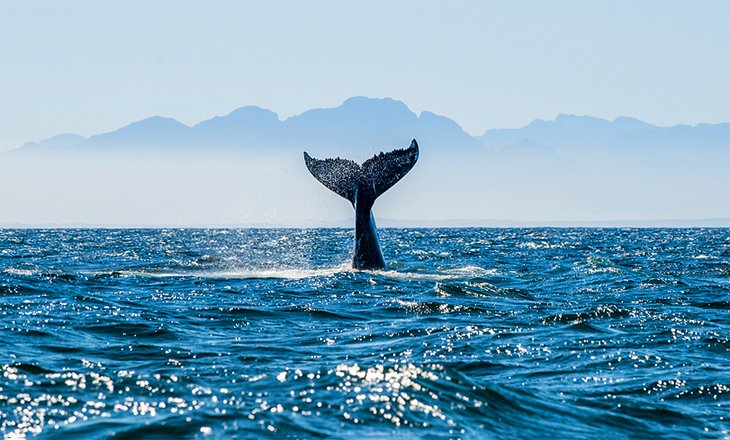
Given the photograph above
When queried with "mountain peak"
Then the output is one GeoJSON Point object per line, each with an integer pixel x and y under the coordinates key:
{"type": "Point", "coordinates": [157, 121]}
{"type": "Point", "coordinates": [155, 130]}
{"type": "Point", "coordinates": [58, 141]}
{"type": "Point", "coordinates": [372, 102]}
{"type": "Point", "coordinates": [581, 119]}
{"type": "Point", "coordinates": [252, 110]}
{"type": "Point", "coordinates": [376, 105]}
{"type": "Point", "coordinates": [246, 116]}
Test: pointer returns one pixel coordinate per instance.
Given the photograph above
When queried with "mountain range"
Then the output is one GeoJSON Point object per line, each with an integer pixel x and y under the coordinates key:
{"type": "Point", "coordinates": [383, 122]}
{"type": "Point", "coordinates": [246, 168]}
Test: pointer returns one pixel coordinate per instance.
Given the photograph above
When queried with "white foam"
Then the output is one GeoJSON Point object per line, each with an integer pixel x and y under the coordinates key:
{"type": "Point", "coordinates": [473, 271]}
{"type": "Point", "coordinates": [298, 274]}
{"type": "Point", "coordinates": [282, 273]}
{"type": "Point", "coordinates": [410, 275]}
{"type": "Point", "coordinates": [21, 272]}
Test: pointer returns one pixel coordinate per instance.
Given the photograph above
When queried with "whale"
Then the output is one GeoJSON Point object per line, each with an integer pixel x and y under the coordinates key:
{"type": "Point", "coordinates": [361, 185]}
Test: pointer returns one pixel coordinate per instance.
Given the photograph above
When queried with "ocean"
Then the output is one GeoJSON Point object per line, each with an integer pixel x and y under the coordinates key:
{"type": "Point", "coordinates": [469, 333]}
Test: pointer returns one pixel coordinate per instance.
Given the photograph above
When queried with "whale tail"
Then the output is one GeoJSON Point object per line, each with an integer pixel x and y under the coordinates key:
{"type": "Point", "coordinates": [375, 176]}
{"type": "Point", "coordinates": [361, 185]}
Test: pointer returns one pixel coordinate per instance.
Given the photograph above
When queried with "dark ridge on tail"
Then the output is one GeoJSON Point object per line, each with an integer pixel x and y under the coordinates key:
{"type": "Point", "coordinates": [361, 185]}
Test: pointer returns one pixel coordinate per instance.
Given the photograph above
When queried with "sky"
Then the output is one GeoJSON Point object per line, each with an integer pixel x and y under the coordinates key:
{"type": "Point", "coordinates": [90, 66]}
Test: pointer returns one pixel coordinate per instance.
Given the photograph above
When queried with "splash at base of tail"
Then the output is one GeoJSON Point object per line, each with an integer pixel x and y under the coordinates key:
{"type": "Point", "coordinates": [361, 185]}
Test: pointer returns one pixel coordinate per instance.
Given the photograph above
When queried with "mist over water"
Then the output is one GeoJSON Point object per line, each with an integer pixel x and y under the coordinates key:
{"type": "Point", "coordinates": [274, 188]}
{"type": "Point", "coordinates": [496, 333]}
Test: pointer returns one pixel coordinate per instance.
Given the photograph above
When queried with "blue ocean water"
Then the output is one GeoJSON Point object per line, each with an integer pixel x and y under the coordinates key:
{"type": "Point", "coordinates": [471, 333]}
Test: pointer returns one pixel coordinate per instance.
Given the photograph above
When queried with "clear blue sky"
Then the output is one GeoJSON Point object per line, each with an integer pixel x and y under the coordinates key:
{"type": "Point", "coordinates": [90, 66]}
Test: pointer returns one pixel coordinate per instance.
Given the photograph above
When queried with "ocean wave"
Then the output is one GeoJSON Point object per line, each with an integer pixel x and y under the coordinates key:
{"type": "Point", "coordinates": [497, 333]}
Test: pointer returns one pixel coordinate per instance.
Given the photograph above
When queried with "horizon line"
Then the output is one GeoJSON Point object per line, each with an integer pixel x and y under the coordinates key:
{"type": "Point", "coordinates": [716, 222]}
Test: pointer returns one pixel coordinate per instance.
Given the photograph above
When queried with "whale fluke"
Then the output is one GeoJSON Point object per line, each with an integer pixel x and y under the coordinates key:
{"type": "Point", "coordinates": [385, 169]}
{"type": "Point", "coordinates": [361, 185]}
{"type": "Point", "coordinates": [338, 175]}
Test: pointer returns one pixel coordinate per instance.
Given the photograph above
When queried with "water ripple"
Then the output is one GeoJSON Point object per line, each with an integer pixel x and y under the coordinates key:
{"type": "Point", "coordinates": [496, 333]}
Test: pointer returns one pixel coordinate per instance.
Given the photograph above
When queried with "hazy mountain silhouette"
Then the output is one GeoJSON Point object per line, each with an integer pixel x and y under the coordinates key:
{"type": "Point", "coordinates": [570, 131]}
{"type": "Point", "coordinates": [246, 167]}
{"type": "Point", "coordinates": [248, 126]}
{"type": "Point", "coordinates": [156, 131]}
{"type": "Point", "coordinates": [358, 122]}
{"type": "Point", "coordinates": [381, 123]}
{"type": "Point", "coordinates": [58, 141]}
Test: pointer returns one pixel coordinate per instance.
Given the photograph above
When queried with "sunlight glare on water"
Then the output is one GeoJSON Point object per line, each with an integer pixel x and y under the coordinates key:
{"type": "Point", "coordinates": [469, 333]}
